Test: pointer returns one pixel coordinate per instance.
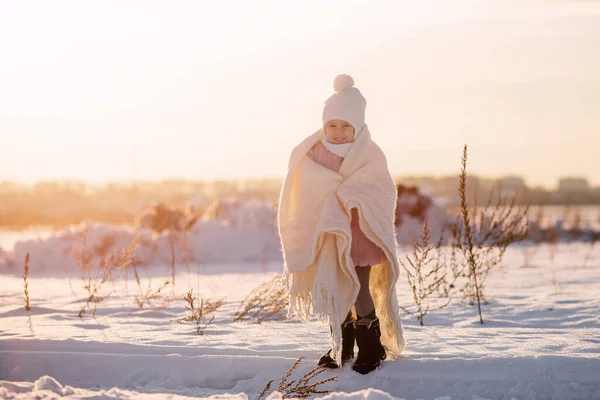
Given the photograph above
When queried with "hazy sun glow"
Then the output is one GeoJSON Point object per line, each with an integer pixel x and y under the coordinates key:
{"type": "Point", "coordinates": [146, 90]}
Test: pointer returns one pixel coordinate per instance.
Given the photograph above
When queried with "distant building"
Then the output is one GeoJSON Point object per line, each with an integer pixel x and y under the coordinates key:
{"type": "Point", "coordinates": [510, 186]}
{"type": "Point", "coordinates": [573, 185]}
{"type": "Point", "coordinates": [511, 183]}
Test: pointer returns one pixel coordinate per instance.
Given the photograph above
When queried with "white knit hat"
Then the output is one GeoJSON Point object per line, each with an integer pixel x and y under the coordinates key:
{"type": "Point", "coordinates": [347, 104]}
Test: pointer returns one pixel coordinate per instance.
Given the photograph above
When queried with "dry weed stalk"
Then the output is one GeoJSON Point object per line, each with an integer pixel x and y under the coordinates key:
{"type": "Point", "coordinates": [112, 262]}
{"type": "Point", "coordinates": [454, 270]}
{"type": "Point", "coordinates": [186, 252]}
{"type": "Point", "coordinates": [83, 256]}
{"type": "Point", "coordinates": [588, 254]}
{"type": "Point", "coordinates": [423, 280]}
{"type": "Point", "coordinates": [72, 289]}
{"type": "Point", "coordinates": [198, 313]}
{"type": "Point", "coordinates": [190, 221]}
{"type": "Point", "coordinates": [25, 283]}
{"type": "Point", "coordinates": [553, 240]}
{"type": "Point", "coordinates": [172, 247]}
{"type": "Point", "coordinates": [593, 241]}
{"type": "Point", "coordinates": [267, 301]}
{"type": "Point", "coordinates": [530, 251]}
{"type": "Point", "coordinates": [149, 296]}
{"type": "Point", "coordinates": [528, 254]}
{"type": "Point", "coordinates": [484, 236]}
{"type": "Point", "coordinates": [302, 388]}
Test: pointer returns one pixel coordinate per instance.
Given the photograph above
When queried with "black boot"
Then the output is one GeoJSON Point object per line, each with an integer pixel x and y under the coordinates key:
{"type": "Point", "coordinates": [370, 350]}
{"type": "Point", "coordinates": [347, 346]}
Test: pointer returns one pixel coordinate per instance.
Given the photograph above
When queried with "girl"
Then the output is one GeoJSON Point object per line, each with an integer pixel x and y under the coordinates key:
{"type": "Point", "coordinates": [336, 223]}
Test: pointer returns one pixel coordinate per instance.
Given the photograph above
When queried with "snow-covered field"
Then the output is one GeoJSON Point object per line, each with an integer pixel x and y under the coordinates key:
{"type": "Point", "coordinates": [540, 340]}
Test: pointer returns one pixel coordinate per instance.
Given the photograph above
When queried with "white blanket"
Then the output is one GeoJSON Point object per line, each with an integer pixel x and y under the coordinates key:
{"type": "Point", "coordinates": [314, 226]}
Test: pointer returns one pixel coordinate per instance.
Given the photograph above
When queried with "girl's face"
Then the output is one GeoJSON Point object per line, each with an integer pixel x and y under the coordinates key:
{"type": "Point", "coordinates": [339, 132]}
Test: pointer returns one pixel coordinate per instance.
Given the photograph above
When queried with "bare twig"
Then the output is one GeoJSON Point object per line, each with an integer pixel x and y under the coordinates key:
{"type": "Point", "coordinates": [112, 263]}
{"type": "Point", "coordinates": [484, 239]}
{"type": "Point", "coordinates": [266, 389]}
{"type": "Point", "coordinates": [303, 387]}
{"type": "Point", "coordinates": [454, 269]}
{"type": "Point", "coordinates": [25, 283]}
{"type": "Point", "coordinates": [83, 256]}
{"type": "Point", "coordinates": [423, 280]}
{"type": "Point", "coordinates": [172, 247]}
{"type": "Point", "coordinates": [586, 258]}
{"type": "Point", "coordinates": [150, 296]}
{"type": "Point", "coordinates": [198, 313]}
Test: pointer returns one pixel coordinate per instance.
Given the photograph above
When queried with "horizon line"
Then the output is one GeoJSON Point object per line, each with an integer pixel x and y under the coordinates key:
{"type": "Point", "coordinates": [240, 179]}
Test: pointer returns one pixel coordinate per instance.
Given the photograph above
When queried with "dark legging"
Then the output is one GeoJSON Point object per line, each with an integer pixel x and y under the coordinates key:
{"type": "Point", "coordinates": [364, 302]}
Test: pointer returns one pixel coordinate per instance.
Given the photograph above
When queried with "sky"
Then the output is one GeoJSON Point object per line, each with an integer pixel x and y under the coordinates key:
{"type": "Point", "coordinates": [124, 90]}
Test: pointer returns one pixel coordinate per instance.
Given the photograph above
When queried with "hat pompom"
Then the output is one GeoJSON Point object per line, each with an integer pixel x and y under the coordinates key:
{"type": "Point", "coordinates": [342, 83]}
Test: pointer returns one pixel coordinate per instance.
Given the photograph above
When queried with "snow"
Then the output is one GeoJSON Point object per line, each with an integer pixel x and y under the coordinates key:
{"type": "Point", "coordinates": [8, 239]}
{"type": "Point", "coordinates": [207, 242]}
{"type": "Point", "coordinates": [25, 390]}
{"type": "Point", "coordinates": [234, 231]}
{"type": "Point", "coordinates": [541, 338]}
{"type": "Point", "coordinates": [230, 231]}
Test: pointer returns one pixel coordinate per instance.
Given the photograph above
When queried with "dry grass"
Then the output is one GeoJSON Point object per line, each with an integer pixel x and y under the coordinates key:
{"type": "Point", "coordinates": [268, 301]}
{"type": "Point", "coordinates": [83, 256]}
{"type": "Point", "coordinates": [186, 251]}
{"type": "Point", "coordinates": [553, 240]}
{"type": "Point", "coordinates": [113, 262]}
{"type": "Point", "coordinates": [72, 289]}
{"type": "Point", "coordinates": [174, 238]}
{"type": "Point", "coordinates": [198, 313]}
{"type": "Point", "coordinates": [588, 254]}
{"type": "Point", "coordinates": [149, 296]}
{"type": "Point", "coordinates": [485, 236]}
{"type": "Point", "coordinates": [302, 388]}
{"type": "Point", "coordinates": [172, 241]}
{"type": "Point", "coordinates": [454, 269]}
{"type": "Point", "coordinates": [594, 240]}
{"type": "Point", "coordinates": [529, 252]}
{"type": "Point", "coordinates": [423, 279]}
{"type": "Point", "coordinates": [25, 283]}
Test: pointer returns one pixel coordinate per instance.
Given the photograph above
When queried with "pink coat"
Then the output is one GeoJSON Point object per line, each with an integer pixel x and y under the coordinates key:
{"type": "Point", "coordinates": [363, 251]}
